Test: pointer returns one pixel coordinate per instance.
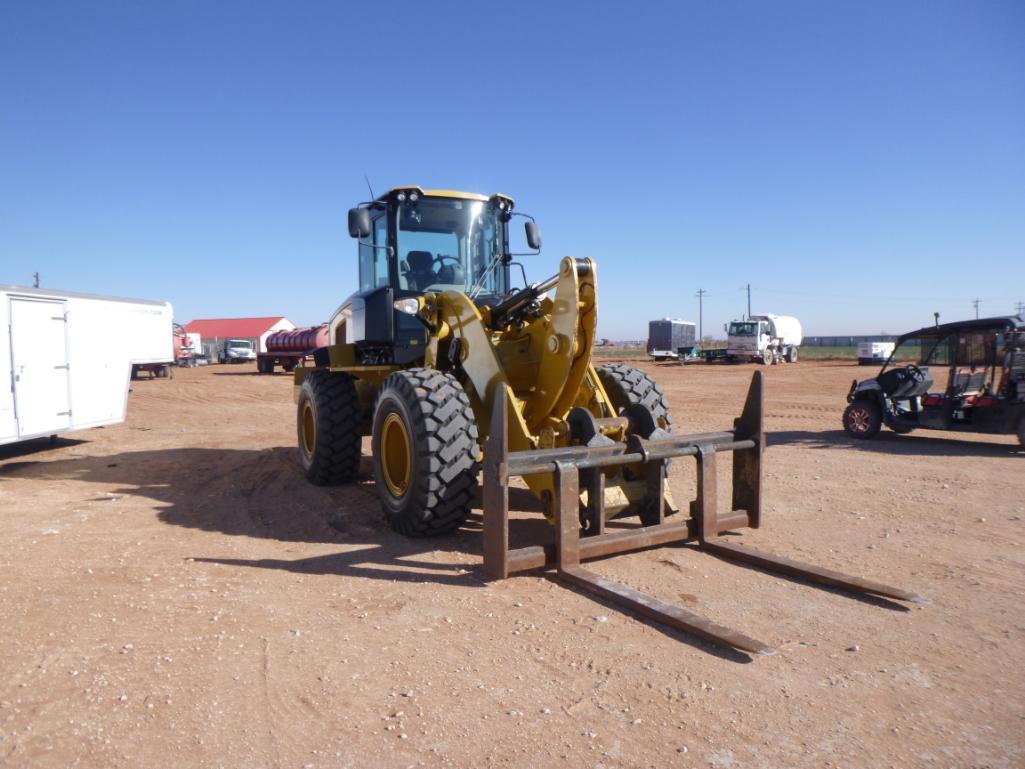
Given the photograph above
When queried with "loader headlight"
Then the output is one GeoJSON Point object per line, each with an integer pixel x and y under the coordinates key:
{"type": "Point", "coordinates": [401, 197]}
{"type": "Point", "coordinates": [413, 197]}
{"type": "Point", "coordinates": [409, 306]}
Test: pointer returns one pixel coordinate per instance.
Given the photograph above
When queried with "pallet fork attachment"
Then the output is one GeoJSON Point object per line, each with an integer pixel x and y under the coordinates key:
{"type": "Point", "coordinates": [746, 440]}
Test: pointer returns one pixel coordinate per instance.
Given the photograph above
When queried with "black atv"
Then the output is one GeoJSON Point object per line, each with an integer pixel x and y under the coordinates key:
{"type": "Point", "coordinates": [967, 376]}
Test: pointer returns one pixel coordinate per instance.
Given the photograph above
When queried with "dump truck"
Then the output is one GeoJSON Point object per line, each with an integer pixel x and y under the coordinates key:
{"type": "Point", "coordinates": [455, 374]}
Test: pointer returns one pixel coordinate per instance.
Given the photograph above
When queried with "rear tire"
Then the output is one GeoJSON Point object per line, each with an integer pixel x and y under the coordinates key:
{"type": "Point", "coordinates": [328, 425]}
{"type": "Point", "coordinates": [627, 385]}
{"type": "Point", "coordinates": [767, 357]}
{"type": "Point", "coordinates": [791, 355]}
{"type": "Point", "coordinates": [425, 452]}
{"type": "Point", "coordinates": [862, 419]}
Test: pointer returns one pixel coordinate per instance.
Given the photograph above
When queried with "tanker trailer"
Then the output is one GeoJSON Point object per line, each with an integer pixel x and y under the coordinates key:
{"type": "Point", "coordinates": [288, 348]}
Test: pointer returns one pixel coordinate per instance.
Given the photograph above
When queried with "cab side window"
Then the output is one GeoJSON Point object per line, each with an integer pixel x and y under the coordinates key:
{"type": "Point", "coordinates": [381, 254]}
{"type": "Point", "coordinates": [373, 262]}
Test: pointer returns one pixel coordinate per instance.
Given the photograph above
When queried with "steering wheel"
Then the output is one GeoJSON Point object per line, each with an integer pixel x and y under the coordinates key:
{"type": "Point", "coordinates": [915, 373]}
{"type": "Point", "coordinates": [440, 260]}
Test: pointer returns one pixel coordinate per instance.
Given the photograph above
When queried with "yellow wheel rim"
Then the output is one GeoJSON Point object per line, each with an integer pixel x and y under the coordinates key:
{"type": "Point", "coordinates": [396, 454]}
{"type": "Point", "coordinates": [309, 429]}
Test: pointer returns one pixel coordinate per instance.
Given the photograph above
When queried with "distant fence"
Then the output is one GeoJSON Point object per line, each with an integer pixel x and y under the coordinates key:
{"type": "Point", "coordinates": [844, 341]}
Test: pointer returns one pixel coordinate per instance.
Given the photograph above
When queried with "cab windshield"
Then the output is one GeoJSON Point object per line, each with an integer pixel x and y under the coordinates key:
{"type": "Point", "coordinates": [241, 343]}
{"type": "Point", "coordinates": [743, 329]}
{"type": "Point", "coordinates": [450, 244]}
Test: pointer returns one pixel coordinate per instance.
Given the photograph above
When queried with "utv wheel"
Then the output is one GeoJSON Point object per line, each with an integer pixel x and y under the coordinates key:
{"type": "Point", "coordinates": [328, 424]}
{"type": "Point", "coordinates": [626, 386]}
{"type": "Point", "coordinates": [862, 419]}
{"type": "Point", "coordinates": [425, 452]}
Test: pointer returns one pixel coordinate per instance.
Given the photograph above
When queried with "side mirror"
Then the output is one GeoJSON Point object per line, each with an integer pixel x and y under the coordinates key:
{"type": "Point", "coordinates": [533, 236]}
{"type": "Point", "coordinates": [359, 223]}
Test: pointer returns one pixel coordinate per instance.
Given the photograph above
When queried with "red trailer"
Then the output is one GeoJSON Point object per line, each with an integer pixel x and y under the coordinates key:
{"type": "Point", "coordinates": [288, 348]}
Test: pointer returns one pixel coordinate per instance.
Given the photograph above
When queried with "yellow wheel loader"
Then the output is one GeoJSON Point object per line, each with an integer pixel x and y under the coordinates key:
{"type": "Point", "coordinates": [447, 367]}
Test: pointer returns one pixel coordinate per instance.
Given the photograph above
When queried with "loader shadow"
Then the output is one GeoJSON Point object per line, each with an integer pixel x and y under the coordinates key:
{"type": "Point", "coordinates": [263, 494]}
{"type": "Point", "coordinates": [919, 444]}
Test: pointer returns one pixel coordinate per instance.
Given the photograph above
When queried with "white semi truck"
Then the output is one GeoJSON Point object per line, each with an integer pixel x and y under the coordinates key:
{"type": "Point", "coordinates": [764, 338]}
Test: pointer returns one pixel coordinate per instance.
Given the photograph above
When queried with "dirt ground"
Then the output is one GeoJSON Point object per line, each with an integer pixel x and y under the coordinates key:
{"type": "Point", "coordinates": [174, 594]}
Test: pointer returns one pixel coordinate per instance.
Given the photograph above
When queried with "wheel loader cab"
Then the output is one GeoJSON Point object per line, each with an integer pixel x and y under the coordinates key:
{"type": "Point", "coordinates": [412, 241]}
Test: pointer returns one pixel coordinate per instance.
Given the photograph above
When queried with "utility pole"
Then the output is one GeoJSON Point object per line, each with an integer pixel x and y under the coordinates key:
{"type": "Point", "coordinates": [748, 302]}
{"type": "Point", "coordinates": [701, 313]}
{"type": "Point", "coordinates": [1019, 309]}
{"type": "Point", "coordinates": [976, 303]}
{"type": "Point", "coordinates": [35, 279]}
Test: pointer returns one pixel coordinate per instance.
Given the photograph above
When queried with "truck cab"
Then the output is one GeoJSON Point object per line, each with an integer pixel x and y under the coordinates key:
{"type": "Point", "coordinates": [967, 376]}
{"type": "Point", "coordinates": [237, 351]}
{"type": "Point", "coordinates": [764, 339]}
{"type": "Point", "coordinates": [747, 339]}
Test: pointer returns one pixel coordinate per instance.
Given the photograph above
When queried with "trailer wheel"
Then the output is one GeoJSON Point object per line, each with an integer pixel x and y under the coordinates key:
{"type": "Point", "coordinates": [328, 424]}
{"type": "Point", "coordinates": [627, 385]}
{"type": "Point", "coordinates": [862, 419]}
{"type": "Point", "coordinates": [791, 355]}
{"type": "Point", "coordinates": [425, 452]}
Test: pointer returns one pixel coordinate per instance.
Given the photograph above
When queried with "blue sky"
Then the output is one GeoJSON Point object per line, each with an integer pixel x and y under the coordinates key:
{"type": "Point", "coordinates": [860, 164]}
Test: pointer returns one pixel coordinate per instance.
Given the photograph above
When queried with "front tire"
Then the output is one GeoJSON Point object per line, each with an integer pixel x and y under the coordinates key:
{"type": "Point", "coordinates": [862, 419]}
{"type": "Point", "coordinates": [425, 452]}
{"type": "Point", "coordinates": [767, 357]}
{"type": "Point", "coordinates": [626, 385]}
{"type": "Point", "coordinates": [328, 425]}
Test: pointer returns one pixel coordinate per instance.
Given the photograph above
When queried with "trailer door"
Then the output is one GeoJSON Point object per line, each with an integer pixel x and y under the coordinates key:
{"type": "Point", "coordinates": [39, 367]}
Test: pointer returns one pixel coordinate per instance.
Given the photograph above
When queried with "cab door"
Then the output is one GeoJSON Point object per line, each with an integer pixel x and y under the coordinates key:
{"type": "Point", "coordinates": [39, 366]}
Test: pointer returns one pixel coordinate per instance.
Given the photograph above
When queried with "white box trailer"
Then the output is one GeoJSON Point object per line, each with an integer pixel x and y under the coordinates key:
{"type": "Point", "coordinates": [66, 360]}
{"type": "Point", "coordinates": [874, 352]}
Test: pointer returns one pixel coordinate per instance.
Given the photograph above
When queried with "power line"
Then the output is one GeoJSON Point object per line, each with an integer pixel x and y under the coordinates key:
{"type": "Point", "coordinates": [701, 323]}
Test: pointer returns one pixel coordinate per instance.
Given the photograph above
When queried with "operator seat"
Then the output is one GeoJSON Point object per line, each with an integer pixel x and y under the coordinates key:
{"type": "Point", "coordinates": [420, 275]}
{"type": "Point", "coordinates": [452, 273]}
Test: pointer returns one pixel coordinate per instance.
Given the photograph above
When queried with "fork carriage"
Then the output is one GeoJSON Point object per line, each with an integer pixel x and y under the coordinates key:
{"type": "Point", "coordinates": [581, 468]}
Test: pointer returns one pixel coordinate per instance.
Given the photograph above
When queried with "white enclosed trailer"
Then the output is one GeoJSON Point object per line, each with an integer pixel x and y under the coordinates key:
{"type": "Point", "coordinates": [66, 358]}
